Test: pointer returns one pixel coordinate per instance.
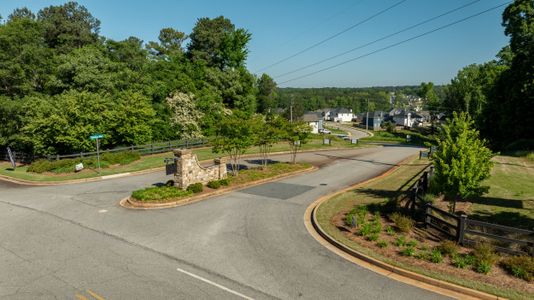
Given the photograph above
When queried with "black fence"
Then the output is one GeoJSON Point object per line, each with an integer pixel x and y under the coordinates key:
{"type": "Point", "coordinates": [460, 228]}
{"type": "Point", "coordinates": [147, 149]}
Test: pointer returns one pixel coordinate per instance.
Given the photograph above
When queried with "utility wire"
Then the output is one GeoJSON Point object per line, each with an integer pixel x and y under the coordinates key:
{"type": "Point", "coordinates": [397, 44]}
{"type": "Point", "coordinates": [332, 36]}
{"type": "Point", "coordinates": [378, 40]}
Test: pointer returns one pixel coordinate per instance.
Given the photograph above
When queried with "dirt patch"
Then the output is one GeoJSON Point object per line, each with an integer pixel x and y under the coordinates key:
{"type": "Point", "coordinates": [426, 241]}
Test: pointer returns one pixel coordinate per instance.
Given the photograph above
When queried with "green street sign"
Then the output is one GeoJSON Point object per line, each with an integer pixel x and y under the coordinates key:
{"type": "Point", "coordinates": [97, 136]}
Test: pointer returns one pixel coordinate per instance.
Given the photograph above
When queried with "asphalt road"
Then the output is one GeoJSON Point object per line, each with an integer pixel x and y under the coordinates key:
{"type": "Point", "coordinates": [75, 242]}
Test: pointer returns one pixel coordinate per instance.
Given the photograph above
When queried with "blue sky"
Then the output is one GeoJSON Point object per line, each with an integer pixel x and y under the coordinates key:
{"type": "Point", "coordinates": [281, 28]}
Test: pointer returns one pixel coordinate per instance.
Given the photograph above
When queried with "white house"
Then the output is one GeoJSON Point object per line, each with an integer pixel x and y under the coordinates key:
{"type": "Point", "coordinates": [404, 118]}
{"type": "Point", "coordinates": [341, 115]}
{"type": "Point", "coordinates": [315, 121]}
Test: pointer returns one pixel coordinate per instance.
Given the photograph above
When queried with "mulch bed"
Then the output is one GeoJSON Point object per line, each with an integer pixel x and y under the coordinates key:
{"type": "Point", "coordinates": [496, 277]}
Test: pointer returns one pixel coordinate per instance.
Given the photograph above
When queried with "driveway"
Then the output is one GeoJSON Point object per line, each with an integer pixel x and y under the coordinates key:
{"type": "Point", "coordinates": [75, 241]}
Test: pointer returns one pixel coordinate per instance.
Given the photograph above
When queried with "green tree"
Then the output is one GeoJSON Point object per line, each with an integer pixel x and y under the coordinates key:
{"type": "Point", "coordinates": [267, 93]}
{"type": "Point", "coordinates": [170, 43]}
{"type": "Point", "coordinates": [462, 160]}
{"type": "Point", "coordinates": [68, 26]}
{"type": "Point", "coordinates": [235, 134]}
{"type": "Point", "coordinates": [296, 134]}
{"type": "Point", "coordinates": [185, 115]}
{"type": "Point", "coordinates": [269, 131]}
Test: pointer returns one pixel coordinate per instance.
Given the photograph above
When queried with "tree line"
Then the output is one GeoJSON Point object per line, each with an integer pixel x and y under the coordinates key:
{"type": "Point", "coordinates": [61, 81]}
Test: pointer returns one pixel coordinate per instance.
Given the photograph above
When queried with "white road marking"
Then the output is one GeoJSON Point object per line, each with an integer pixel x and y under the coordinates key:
{"type": "Point", "coordinates": [103, 211]}
{"type": "Point", "coordinates": [214, 284]}
{"type": "Point", "coordinates": [115, 175]}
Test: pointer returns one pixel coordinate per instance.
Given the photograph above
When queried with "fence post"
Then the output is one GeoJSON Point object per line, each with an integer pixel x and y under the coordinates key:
{"type": "Point", "coordinates": [81, 154]}
{"type": "Point", "coordinates": [57, 156]}
{"type": "Point", "coordinates": [151, 148]}
{"type": "Point", "coordinates": [425, 181]}
{"type": "Point", "coordinates": [460, 230]}
{"type": "Point", "coordinates": [186, 144]}
{"type": "Point", "coordinates": [428, 212]}
{"type": "Point", "coordinates": [170, 148]}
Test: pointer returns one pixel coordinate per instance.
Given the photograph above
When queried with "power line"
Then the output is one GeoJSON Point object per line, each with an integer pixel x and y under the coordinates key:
{"type": "Point", "coordinates": [378, 40]}
{"type": "Point", "coordinates": [332, 36]}
{"type": "Point", "coordinates": [397, 44]}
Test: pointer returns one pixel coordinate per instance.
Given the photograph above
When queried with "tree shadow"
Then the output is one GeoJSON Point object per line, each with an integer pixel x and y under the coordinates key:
{"type": "Point", "coordinates": [510, 203]}
{"type": "Point", "coordinates": [240, 167]}
{"type": "Point", "coordinates": [260, 161]}
{"type": "Point", "coordinates": [506, 218]}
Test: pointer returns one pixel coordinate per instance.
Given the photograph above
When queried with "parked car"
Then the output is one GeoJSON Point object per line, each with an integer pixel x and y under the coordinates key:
{"type": "Point", "coordinates": [325, 131]}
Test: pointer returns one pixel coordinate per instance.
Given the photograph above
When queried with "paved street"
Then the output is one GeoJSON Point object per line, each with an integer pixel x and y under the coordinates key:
{"type": "Point", "coordinates": [74, 241]}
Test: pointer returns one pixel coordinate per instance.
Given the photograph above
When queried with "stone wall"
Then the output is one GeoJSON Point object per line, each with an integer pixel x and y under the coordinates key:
{"type": "Point", "coordinates": [189, 171]}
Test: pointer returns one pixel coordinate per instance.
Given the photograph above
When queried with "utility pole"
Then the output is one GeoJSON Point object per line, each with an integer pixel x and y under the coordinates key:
{"type": "Point", "coordinates": [367, 117]}
{"type": "Point", "coordinates": [291, 110]}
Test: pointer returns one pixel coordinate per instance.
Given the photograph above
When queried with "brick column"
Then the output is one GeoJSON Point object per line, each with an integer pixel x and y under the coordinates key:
{"type": "Point", "coordinates": [183, 158]}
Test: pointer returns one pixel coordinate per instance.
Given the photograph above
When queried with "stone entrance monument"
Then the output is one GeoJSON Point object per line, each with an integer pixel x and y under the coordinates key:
{"type": "Point", "coordinates": [189, 171]}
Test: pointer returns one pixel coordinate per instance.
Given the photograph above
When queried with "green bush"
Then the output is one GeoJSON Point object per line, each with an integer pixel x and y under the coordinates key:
{"type": "Point", "coordinates": [408, 251]}
{"type": "Point", "coordinates": [214, 184]}
{"type": "Point", "coordinates": [435, 256]}
{"type": "Point", "coordinates": [381, 244]}
{"type": "Point", "coordinates": [520, 267]}
{"type": "Point", "coordinates": [195, 187]}
{"type": "Point", "coordinates": [462, 261]}
{"type": "Point", "coordinates": [159, 193]}
{"type": "Point", "coordinates": [484, 257]}
{"type": "Point", "coordinates": [448, 248]}
{"type": "Point", "coordinates": [67, 165]}
{"type": "Point", "coordinates": [390, 230]}
{"type": "Point", "coordinates": [400, 241]}
{"type": "Point", "coordinates": [372, 237]}
{"type": "Point", "coordinates": [365, 229]}
{"type": "Point", "coordinates": [412, 243]}
{"type": "Point", "coordinates": [360, 212]}
{"type": "Point", "coordinates": [224, 182]}
{"type": "Point", "coordinates": [402, 222]}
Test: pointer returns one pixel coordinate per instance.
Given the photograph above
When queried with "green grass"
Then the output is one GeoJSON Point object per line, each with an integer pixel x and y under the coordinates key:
{"type": "Point", "coordinates": [336, 130]}
{"type": "Point", "coordinates": [399, 137]}
{"type": "Point", "coordinates": [156, 160]}
{"type": "Point", "coordinates": [380, 191]}
{"type": "Point", "coordinates": [510, 200]}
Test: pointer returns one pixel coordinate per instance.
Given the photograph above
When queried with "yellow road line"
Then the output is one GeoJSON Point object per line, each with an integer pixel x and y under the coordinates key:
{"type": "Point", "coordinates": [81, 297]}
{"type": "Point", "coordinates": [97, 297]}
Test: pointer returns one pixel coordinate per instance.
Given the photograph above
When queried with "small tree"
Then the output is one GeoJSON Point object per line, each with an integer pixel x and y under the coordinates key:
{"type": "Point", "coordinates": [185, 114]}
{"type": "Point", "coordinates": [296, 134]}
{"type": "Point", "coordinates": [462, 160]}
{"type": "Point", "coordinates": [269, 131]}
{"type": "Point", "coordinates": [236, 133]}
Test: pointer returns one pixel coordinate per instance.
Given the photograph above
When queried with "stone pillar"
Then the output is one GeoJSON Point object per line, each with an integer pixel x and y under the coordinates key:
{"type": "Point", "coordinates": [183, 158]}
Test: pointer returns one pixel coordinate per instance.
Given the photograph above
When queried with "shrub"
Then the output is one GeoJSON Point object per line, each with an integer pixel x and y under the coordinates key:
{"type": "Point", "coordinates": [390, 230]}
{"type": "Point", "coordinates": [402, 222]}
{"type": "Point", "coordinates": [520, 267]}
{"type": "Point", "coordinates": [435, 256]}
{"type": "Point", "coordinates": [372, 237]}
{"type": "Point", "coordinates": [400, 241]}
{"type": "Point", "coordinates": [159, 193]}
{"type": "Point", "coordinates": [224, 182]}
{"type": "Point", "coordinates": [360, 212]}
{"type": "Point", "coordinates": [381, 244]}
{"type": "Point", "coordinates": [365, 229]}
{"type": "Point", "coordinates": [412, 243]}
{"type": "Point", "coordinates": [408, 251]}
{"type": "Point", "coordinates": [214, 184]}
{"type": "Point", "coordinates": [448, 248]}
{"type": "Point", "coordinates": [429, 198]}
{"type": "Point", "coordinates": [67, 165]}
{"type": "Point", "coordinates": [461, 261]}
{"type": "Point", "coordinates": [484, 257]}
{"type": "Point", "coordinates": [196, 187]}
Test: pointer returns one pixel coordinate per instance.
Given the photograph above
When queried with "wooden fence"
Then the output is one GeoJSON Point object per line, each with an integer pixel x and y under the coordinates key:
{"type": "Point", "coordinates": [460, 228]}
{"type": "Point", "coordinates": [147, 149]}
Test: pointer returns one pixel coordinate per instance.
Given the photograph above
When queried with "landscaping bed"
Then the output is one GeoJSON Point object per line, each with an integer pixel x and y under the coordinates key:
{"type": "Point", "coordinates": [420, 246]}
{"type": "Point", "coordinates": [170, 194]}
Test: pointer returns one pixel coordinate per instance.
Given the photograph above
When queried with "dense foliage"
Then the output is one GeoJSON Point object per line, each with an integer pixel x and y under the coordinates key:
{"type": "Point", "coordinates": [61, 81]}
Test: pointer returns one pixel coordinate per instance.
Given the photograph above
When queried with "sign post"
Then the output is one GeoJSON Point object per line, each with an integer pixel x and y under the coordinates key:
{"type": "Point", "coordinates": [97, 137]}
{"type": "Point", "coordinates": [11, 158]}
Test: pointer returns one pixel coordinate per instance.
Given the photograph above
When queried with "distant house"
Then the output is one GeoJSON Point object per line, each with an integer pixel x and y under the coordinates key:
{"type": "Point", "coordinates": [341, 115]}
{"type": "Point", "coordinates": [314, 119]}
{"type": "Point", "coordinates": [325, 113]}
{"type": "Point", "coordinates": [404, 118]}
{"type": "Point", "coordinates": [373, 120]}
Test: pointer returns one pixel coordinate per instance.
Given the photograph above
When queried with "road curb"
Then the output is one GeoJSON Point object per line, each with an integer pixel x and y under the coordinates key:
{"type": "Point", "coordinates": [130, 203]}
{"type": "Point", "coordinates": [383, 268]}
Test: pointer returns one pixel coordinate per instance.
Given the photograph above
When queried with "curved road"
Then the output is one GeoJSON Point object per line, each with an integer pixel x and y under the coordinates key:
{"type": "Point", "coordinates": [74, 241]}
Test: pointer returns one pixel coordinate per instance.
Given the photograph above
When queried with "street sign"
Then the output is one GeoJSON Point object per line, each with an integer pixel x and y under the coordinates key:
{"type": "Point", "coordinates": [96, 136]}
{"type": "Point", "coordinates": [11, 158]}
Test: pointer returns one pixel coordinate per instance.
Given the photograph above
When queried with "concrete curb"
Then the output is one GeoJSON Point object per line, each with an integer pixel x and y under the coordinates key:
{"type": "Point", "coordinates": [399, 274]}
{"type": "Point", "coordinates": [130, 203]}
{"type": "Point", "coordinates": [141, 172]}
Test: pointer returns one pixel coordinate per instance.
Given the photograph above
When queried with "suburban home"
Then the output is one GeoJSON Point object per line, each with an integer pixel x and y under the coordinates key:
{"type": "Point", "coordinates": [341, 115]}
{"type": "Point", "coordinates": [314, 119]}
{"type": "Point", "coordinates": [404, 118]}
{"type": "Point", "coordinates": [373, 120]}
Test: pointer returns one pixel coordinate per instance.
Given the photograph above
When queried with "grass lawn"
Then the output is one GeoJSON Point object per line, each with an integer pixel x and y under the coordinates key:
{"type": "Point", "coordinates": [510, 200]}
{"type": "Point", "coordinates": [171, 193]}
{"type": "Point", "coordinates": [380, 191]}
{"type": "Point", "coordinates": [398, 137]}
{"type": "Point", "coordinates": [156, 160]}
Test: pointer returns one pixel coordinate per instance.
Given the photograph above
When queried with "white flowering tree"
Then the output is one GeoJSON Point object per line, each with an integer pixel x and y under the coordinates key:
{"type": "Point", "coordinates": [185, 115]}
